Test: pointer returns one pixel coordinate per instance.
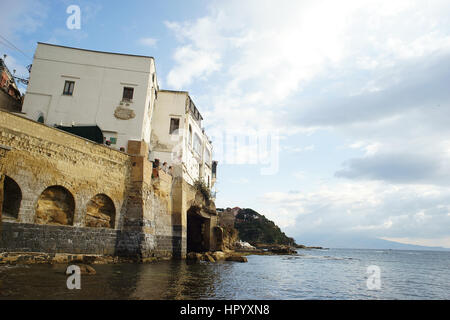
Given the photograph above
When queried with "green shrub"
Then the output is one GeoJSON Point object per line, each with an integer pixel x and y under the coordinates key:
{"type": "Point", "coordinates": [201, 186]}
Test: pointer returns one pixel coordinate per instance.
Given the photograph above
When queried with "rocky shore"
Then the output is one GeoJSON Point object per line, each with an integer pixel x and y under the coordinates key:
{"type": "Point", "coordinates": [63, 258]}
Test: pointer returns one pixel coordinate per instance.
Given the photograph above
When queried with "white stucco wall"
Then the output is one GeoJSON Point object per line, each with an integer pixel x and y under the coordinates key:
{"type": "Point", "coordinates": [99, 81]}
{"type": "Point", "coordinates": [165, 147]}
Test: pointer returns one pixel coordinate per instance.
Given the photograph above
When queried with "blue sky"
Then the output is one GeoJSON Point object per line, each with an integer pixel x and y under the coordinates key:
{"type": "Point", "coordinates": [353, 96]}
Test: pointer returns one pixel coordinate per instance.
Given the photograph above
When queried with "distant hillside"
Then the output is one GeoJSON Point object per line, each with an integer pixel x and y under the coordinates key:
{"type": "Point", "coordinates": [257, 229]}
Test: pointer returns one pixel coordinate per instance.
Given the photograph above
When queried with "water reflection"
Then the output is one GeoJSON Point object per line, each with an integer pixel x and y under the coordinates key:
{"type": "Point", "coordinates": [330, 274]}
{"type": "Point", "coordinates": [162, 280]}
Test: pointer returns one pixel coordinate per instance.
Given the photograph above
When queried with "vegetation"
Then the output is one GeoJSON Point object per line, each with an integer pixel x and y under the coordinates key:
{"type": "Point", "coordinates": [201, 186]}
{"type": "Point", "coordinates": [257, 229]}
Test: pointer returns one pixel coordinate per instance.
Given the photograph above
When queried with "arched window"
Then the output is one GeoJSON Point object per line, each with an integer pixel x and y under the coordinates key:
{"type": "Point", "coordinates": [100, 212]}
{"type": "Point", "coordinates": [12, 197]}
{"type": "Point", "coordinates": [56, 206]}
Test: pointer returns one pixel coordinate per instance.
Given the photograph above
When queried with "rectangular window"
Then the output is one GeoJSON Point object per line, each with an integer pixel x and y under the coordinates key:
{"type": "Point", "coordinates": [127, 94]}
{"type": "Point", "coordinates": [197, 144]}
{"type": "Point", "coordinates": [208, 157]}
{"type": "Point", "coordinates": [68, 88]}
{"type": "Point", "coordinates": [174, 125]}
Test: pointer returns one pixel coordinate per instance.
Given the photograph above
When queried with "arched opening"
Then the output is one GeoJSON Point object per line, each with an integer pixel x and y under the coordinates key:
{"type": "Point", "coordinates": [56, 206]}
{"type": "Point", "coordinates": [100, 212]}
{"type": "Point", "coordinates": [197, 230]}
{"type": "Point", "coordinates": [12, 197]}
{"type": "Point", "coordinates": [40, 119]}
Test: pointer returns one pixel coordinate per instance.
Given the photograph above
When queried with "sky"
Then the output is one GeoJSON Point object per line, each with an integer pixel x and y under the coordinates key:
{"type": "Point", "coordinates": [331, 118]}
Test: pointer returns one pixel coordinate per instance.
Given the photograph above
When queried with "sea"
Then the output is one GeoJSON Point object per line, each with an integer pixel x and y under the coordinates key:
{"type": "Point", "coordinates": [331, 274]}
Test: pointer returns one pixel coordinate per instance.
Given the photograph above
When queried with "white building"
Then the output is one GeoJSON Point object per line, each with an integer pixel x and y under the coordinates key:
{"type": "Point", "coordinates": [178, 137]}
{"type": "Point", "coordinates": [77, 87]}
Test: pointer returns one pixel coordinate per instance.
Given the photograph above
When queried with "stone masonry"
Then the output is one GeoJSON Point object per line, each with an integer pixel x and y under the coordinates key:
{"type": "Point", "coordinates": [91, 199]}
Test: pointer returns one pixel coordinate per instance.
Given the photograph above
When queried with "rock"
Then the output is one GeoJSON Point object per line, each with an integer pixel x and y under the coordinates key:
{"type": "Point", "coordinates": [59, 259]}
{"type": "Point", "coordinates": [194, 256]}
{"type": "Point", "coordinates": [209, 258]}
{"type": "Point", "coordinates": [236, 258]}
{"type": "Point", "coordinates": [244, 245]}
{"type": "Point", "coordinates": [219, 256]}
{"type": "Point", "coordinates": [85, 269]}
{"type": "Point", "coordinates": [282, 250]}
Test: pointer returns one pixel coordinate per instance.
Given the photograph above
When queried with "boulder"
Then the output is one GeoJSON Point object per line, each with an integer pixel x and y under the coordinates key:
{"type": "Point", "coordinates": [282, 250]}
{"type": "Point", "coordinates": [194, 256]}
{"type": "Point", "coordinates": [208, 258]}
{"type": "Point", "coordinates": [219, 255]}
{"type": "Point", "coordinates": [85, 269]}
{"type": "Point", "coordinates": [236, 258]}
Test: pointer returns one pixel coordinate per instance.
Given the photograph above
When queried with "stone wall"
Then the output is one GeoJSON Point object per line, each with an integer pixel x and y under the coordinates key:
{"type": "Point", "coordinates": [72, 189]}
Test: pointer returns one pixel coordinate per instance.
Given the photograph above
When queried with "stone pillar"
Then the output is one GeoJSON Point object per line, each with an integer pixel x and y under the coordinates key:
{"type": "Point", "coordinates": [179, 219]}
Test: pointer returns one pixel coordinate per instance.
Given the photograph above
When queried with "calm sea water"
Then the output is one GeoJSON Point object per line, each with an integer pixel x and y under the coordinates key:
{"type": "Point", "coordinates": [313, 274]}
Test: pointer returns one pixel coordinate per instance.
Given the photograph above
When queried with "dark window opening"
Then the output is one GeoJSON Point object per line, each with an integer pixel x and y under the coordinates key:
{"type": "Point", "coordinates": [68, 88]}
{"type": "Point", "coordinates": [174, 125]}
{"type": "Point", "coordinates": [127, 94]}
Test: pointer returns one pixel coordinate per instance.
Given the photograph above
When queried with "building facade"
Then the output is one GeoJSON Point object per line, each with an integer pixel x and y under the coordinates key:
{"type": "Point", "coordinates": [179, 139]}
{"type": "Point", "coordinates": [66, 192]}
{"type": "Point", "coordinates": [10, 96]}
{"type": "Point", "coordinates": [77, 87]}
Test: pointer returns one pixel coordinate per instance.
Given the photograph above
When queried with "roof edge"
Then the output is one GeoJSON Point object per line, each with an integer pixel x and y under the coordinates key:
{"type": "Point", "coordinates": [97, 51]}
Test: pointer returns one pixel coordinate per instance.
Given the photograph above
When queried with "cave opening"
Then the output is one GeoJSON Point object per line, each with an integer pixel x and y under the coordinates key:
{"type": "Point", "coordinates": [197, 227]}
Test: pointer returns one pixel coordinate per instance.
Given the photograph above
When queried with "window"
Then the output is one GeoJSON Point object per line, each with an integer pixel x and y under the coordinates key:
{"type": "Point", "coordinates": [174, 125]}
{"type": "Point", "coordinates": [197, 144]}
{"type": "Point", "coordinates": [127, 94]}
{"type": "Point", "coordinates": [68, 88]}
{"type": "Point", "coordinates": [190, 136]}
{"type": "Point", "coordinates": [208, 157]}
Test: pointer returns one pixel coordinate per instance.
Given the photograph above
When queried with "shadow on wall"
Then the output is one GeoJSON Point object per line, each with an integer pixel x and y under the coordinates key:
{"type": "Point", "coordinates": [56, 206]}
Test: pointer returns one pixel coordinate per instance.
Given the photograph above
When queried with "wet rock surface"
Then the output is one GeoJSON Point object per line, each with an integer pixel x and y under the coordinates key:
{"type": "Point", "coordinates": [215, 256]}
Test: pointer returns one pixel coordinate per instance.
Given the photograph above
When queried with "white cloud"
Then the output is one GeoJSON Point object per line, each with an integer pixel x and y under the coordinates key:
{"type": "Point", "coordinates": [148, 42]}
{"type": "Point", "coordinates": [432, 242]}
{"type": "Point", "coordinates": [191, 63]}
{"type": "Point", "coordinates": [372, 71]}
{"type": "Point", "coordinates": [375, 209]}
{"type": "Point", "coordinates": [297, 149]}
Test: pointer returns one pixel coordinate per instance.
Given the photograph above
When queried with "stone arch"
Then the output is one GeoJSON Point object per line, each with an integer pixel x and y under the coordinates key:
{"type": "Point", "coordinates": [197, 230]}
{"type": "Point", "coordinates": [12, 198]}
{"type": "Point", "coordinates": [100, 212]}
{"type": "Point", "coordinates": [55, 206]}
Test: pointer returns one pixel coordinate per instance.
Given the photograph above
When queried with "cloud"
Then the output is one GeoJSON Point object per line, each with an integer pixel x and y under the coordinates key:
{"type": "Point", "coordinates": [372, 72]}
{"type": "Point", "coordinates": [148, 42]}
{"type": "Point", "coordinates": [374, 209]}
{"type": "Point", "coordinates": [397, 168]}
{"type": "Point", "coordinates": [23, 16]}
{"type": "Point", "coordinates": [297, 149]}
{"type": "Point", "coordinates": [200, 64]}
